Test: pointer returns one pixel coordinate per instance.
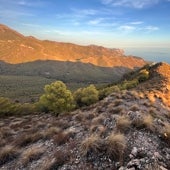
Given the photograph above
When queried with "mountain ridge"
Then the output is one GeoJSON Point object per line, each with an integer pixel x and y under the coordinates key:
{"type": "Point", "coordinates": [17, 48]}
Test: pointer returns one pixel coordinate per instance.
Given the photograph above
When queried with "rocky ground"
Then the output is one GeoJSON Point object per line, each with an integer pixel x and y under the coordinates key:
{"type": "Point", "coordinates": [128, 130]}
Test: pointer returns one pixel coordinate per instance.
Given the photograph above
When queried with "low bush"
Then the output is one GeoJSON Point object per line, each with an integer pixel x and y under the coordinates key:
{"type": "Point", "coordinates": [86, 96]}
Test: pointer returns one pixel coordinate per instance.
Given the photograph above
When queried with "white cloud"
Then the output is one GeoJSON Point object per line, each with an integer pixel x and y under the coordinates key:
{"type": "Point", "coordinates": [136, 22]}
{"type": "Point", "coordinates": [106, 1]}
{"type": "Point", "coordinates": [13, 14]}
{"type": "Point", "coordinates": [31, 25]}
{"type": "Point", "coordinates": [84, 12]}
{"type": "Point", "coordinates": [151, 28]}
{"type": "Point", "coordinates": [131, 3]}
{"type": "Point", "coordinates": [127, 28]}
{"type": "Point", "coordinates": [95, 21]}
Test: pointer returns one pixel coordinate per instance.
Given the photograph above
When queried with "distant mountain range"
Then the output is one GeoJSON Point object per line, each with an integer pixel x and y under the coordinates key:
{"type": "Point", "coordinates": [17, 48]}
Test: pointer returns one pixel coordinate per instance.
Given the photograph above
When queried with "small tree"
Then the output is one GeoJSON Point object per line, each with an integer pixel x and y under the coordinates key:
{"type": "Point", "coordinates": [86, 96]}
{"type": "Point", "coordinates": [57, 98]}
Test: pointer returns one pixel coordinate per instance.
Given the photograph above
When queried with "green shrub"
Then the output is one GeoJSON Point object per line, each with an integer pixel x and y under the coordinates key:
{"type": "Point", "coordinates": [143, 75]}
{"type": "Point", "coordinates": [57, 98]}
{"type": "Point", "coordinates": [107, 91]}
{"type": "Point", "coordinates": [86, 96]}
{"type": "Point", "coordinates": [7, 107]}
{"type": "Point", "coordinates": [129, 84]}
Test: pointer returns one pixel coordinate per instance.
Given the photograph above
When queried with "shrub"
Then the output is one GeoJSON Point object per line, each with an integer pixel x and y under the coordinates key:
{"type": "Point", "coordinates": [129, 84]}
{"type": "Point", "coordinates": [26, 108]}
{"type": "Point", "coordinates": [57, 98]}
{"type": "Point", "coordinates": [10, 108]}
{"type": "Point", "coordinates": [143, 75]}
{"type": "Point", "coordinates": [86, 96]}
{"type": "Point", "coordinates": [107, 91]}
{"type": "Point", "coordinates": [7, 107]}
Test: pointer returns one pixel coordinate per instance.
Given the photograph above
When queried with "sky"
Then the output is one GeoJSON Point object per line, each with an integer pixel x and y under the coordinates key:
{"type": "Point", "coordinates": [110, 23]}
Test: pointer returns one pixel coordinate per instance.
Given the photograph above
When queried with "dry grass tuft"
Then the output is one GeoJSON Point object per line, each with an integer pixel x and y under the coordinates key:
{"type": "Point", "coordinates": [117, 110]}
{"type": "Point", "coordinates": [153, 112]}
{"type": "Point", "coordinates": [98, 120]}
{"type": "Point", "coordinates": [5, 132]}
{"type": "Point", "coordinates": [2, 142]}
{"type": "Point", "coordinates": [62, 137]}
{"type": "Point", "coordinates": [51, 132]}
{"type": "Point", "coordinates": [80, 117]}
{"type": "Point", "coordinates": [31, 154]}
{"type": "Point", "coordinates": [8, 153]}
{"type": "Point", "coordinates": [148, 122]}
{"type": "Point", "coordinates": [57, 160]}
{"type": "Point", "coordinates": [134, 108]}
{"type": "Point", "coordinates": [123, 123]}
{"type": "Point", "coordinates": [98, 129]}
{"type": "Point", "coordinates": [166, 132]}
{"type": "Point", "coordinates": [90, 144]}
{"type": "Point", "coordinates": [118, 102]}
{"type": "Point", "coordinates": [116, 144]}
{"type": "Point", "coordinates": [137, 121]}
{"type": "Point", "coordinates": [26, 139]}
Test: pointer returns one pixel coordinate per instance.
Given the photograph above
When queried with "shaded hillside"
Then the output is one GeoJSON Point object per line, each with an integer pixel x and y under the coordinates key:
{"type": "Point", "coordinates": [128, 130]}
{"type": "Point", "coordinates": [16, 48]}
{"type": "Point", "coordinates": [65, 71]}
{"type": "Point", "coordinates": [33, 76]}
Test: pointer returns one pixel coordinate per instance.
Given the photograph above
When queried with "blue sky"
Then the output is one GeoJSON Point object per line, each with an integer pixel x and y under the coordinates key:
{"type": "Point", "coordinates": [110, 23]}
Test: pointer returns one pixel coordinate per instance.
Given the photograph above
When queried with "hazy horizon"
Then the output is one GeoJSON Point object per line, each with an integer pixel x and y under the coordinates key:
{"type": "Point", "coordinates": [150, 54]}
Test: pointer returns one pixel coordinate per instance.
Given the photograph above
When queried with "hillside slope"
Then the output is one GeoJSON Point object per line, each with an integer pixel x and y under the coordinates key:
{"type": "Point", "coordinates": [128, 130]}
{"type": "Point", "coordinates": [16, 48]}
{"type": "Point", "coordinates": [33, 76]}
{"type": "Point", "coordinates": [158, 86]}
{"type": "Point", "coordinates": [65, 71]}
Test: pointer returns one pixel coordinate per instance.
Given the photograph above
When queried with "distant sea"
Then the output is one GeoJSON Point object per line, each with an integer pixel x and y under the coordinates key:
{"type": "Point", "coordinates": [150, 54]}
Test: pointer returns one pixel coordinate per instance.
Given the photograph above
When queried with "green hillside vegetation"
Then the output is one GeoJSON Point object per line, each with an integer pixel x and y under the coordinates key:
{"type": "Point", "coordinates": [33, 76]}
{"type": "Point", "coordinates": [129, 81]}
{"type": "Point", "coordinates": [57, 98]}
{"type": "Point", "coordinates": [22, 88]}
